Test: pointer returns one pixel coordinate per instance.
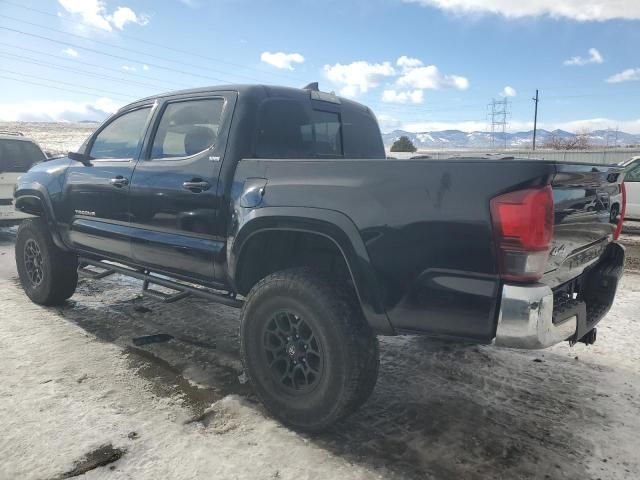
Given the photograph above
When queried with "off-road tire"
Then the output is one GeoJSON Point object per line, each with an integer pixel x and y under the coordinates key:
{"type": "Point", "coordinates": [58, 269]}
{"type": "Point", "coordinates": [349, 349]}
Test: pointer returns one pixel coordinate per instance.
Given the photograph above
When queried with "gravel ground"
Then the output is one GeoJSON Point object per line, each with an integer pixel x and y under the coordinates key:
{"type": "Point", "coordinates": [77, 396]}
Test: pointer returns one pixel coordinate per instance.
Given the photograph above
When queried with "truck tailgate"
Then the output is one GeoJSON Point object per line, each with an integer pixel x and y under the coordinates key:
{"type": "Point", "coordinates": [587, 202]}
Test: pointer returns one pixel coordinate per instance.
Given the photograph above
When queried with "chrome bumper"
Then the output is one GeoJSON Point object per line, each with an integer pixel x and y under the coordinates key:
{"type": "Point", "coordinates": [526, 319]}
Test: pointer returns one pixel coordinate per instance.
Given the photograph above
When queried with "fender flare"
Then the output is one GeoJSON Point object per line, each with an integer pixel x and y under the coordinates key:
{"type": "Point", "coordinates": [35, 191]}
{"type": "Point", "coordinates": [330, 224]}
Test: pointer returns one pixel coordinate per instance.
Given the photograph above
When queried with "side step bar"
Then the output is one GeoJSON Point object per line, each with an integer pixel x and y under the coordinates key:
{"type": "Point", "coordinates": [182, 289]}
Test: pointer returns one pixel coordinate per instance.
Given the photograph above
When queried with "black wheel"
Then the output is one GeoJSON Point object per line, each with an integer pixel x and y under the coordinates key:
{"type": "Point", "coordinates": [306, 349]}
{"type": "Point", "coordinates": [48, 274]}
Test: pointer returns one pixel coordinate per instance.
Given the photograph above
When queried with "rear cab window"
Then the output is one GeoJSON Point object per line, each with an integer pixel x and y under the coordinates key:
{"type": "Point", "coordinates": [295, 128]}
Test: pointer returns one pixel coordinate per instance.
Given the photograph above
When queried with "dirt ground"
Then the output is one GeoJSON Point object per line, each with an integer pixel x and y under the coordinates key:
{"type": "Point", "coordinates": [80, 396]}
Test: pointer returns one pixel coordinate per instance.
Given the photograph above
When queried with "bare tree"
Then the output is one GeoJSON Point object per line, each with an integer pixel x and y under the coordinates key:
{"type": "Point", "coordinates": [580, 141]}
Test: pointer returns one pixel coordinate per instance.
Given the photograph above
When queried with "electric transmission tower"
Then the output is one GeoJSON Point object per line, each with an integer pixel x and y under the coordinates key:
{"type": "Point", "coordinates": [498, 112]}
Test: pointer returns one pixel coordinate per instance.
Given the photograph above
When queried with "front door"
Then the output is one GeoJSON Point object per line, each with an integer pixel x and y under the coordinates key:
{"type": "Point", "coordinates": [174, 188]}
{"type": "Point", "coordinates": [98, 192]}
{"type": "Point", "coordinates": [632, 185]}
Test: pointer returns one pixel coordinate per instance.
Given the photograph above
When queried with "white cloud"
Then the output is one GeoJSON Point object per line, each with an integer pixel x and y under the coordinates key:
{"type": "Point", "coordinates": [408, 96]}
{"type": "Point", "coordinates": [628, 75]}
{"type": "Point", "coordinates": [407, 63]}
{"type": "Point", "coordinates": [431, 78]}
{"type": "Point", "coordinates": [71, 52]}
{"type": "Point", "coordinates": [508, 92]}
{"type": "Point", "coordinates": [580, 10]}
{"type": "Point", "coordinates": [124, 15]}
{"type": "Point", "coordinates": [58, 110]}
{"type": "Point", "coordinates": [94, 12]}
{"type": "Point", "coordinates": [128, 68]}
{"type": "Point", "coordinates": [358, 77]}
{"type": "Point", "coordinates": [594, 57]}
{"type": "Point", "coordinates": [191, 3]}
{"type": "Point", "coordinates": [281, 60]}
{"type": "Point", "coordinates": [145, 67]}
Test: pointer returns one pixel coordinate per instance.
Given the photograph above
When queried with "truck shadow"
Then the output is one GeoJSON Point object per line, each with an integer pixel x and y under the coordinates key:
{"type": "Point", "coordinates": [438, 410]}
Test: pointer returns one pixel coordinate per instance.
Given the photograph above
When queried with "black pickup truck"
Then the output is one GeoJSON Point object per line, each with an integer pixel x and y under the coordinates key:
{"type": "Point", "coordinates": [281, 202]}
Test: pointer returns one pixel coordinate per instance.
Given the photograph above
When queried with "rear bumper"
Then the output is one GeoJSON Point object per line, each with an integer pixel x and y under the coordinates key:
{"type": "Point", "coordinates": [534, 316]}
{"type": "Point", "coordinates": [526, 319]}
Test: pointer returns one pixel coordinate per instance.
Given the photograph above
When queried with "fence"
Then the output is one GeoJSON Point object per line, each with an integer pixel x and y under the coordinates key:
{"type": "Point", "coordinates": [605, 156]}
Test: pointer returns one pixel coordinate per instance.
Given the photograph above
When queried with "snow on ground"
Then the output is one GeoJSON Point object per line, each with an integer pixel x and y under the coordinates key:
{"type": "Point", "coordinates": [72, 380]}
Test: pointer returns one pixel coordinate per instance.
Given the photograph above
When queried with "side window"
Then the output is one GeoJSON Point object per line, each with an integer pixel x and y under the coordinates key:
{"type": "Point", "coordinates": [187, 128]}
{"type": "Point", "coordinates": [19, 156]}
{"type": "Point", "coordinates": [633, 173]}
{"type": "Point", "coordinates": [286, 129]}
{"type": "Point", "coordinates": [122, 137]}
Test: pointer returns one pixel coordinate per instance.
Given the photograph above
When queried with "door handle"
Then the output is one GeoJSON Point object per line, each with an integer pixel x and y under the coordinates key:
{"type": "Point", "coordinates": [119, 181]}
{"type": "Point", "coordinates": [196, 186]}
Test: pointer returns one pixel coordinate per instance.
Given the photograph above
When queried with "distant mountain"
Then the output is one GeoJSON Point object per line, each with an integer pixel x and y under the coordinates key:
{"type": "Point", "coordinates": [459, 139]}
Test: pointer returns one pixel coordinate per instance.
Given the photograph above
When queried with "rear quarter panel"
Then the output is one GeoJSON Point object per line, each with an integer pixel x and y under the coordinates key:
{"type": "Point", "coordinates": [425, 224]}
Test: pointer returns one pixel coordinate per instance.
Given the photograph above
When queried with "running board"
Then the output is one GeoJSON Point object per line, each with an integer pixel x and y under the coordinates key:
{"type": "Point", "coordinates": [83, 271]}
{"type": "Point", "coordinates": [182, 290]}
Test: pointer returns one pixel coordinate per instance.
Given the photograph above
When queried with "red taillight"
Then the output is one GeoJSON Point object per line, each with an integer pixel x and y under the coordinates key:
{"type": "Point", "coordinates": [523, 228]}
{"type": "Point", "coordinates": [623, 209]}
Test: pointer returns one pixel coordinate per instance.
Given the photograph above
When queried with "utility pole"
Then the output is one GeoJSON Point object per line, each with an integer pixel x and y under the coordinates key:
{"type": "Point", "coordinates": [535, 120]}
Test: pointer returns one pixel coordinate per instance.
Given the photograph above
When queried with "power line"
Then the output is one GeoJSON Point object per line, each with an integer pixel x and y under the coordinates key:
{"type": "Point", "coordinates": [130, 50]}
{"type": "Point", "coordinates": [22, 80]}
{"type": "Point", "coordinates": [120, 57]}
{"type": "Point", "coordinates": [100, 91]}
{"type": "Point", "coordinates": [161, 45]}
{"type": "Point", "coordinates": [94, 65]}
{"type": "Point", "coordinates": [33, 61]}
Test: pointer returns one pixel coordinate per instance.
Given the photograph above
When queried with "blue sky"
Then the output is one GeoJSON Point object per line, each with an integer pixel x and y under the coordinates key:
{"type": "Point", "coordinates": [420, 64]}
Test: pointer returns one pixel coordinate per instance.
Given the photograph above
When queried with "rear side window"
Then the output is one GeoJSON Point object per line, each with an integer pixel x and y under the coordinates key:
{"type": "Point", "coordinates": [18, 156]}
{"type": "Point", "coordinates": [286, 129]}
{"type": "Point", "coordinates": [187, 128]}
{"type": "Point", "coordinates": [362, 137]}
{"type": "Point", "coordinates": [122, 137]}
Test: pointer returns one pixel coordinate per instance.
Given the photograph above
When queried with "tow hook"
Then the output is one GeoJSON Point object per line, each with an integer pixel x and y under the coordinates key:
{"type": "Point", "coordinates": [590, 337]}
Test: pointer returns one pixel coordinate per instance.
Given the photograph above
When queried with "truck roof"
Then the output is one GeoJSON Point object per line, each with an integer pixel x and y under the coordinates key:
{"type": "Point", "coordinates": [257, 90]}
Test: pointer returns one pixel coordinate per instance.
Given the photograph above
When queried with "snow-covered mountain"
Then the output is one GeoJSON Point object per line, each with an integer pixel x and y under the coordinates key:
{"type": "Point", "coordinates": [460, 139]}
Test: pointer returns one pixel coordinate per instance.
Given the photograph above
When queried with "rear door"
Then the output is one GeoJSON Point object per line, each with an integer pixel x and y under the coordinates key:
{"type": "Point", "coordinates": [98, 193]}
{"type": "Point", "coordinates": [174, 190]}
{"type": "Point", "coordinates": [632, 184]}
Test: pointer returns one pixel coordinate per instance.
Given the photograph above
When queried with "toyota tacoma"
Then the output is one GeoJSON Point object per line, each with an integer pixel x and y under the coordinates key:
{"type": "Point", "coordinates": [281, 202]}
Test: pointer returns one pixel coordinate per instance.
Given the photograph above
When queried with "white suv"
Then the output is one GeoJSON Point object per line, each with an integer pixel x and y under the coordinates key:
{"type": "Point", "coordinates": [17, 155]}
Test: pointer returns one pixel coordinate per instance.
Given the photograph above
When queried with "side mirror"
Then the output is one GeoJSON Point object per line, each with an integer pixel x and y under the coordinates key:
{"type": "Point", "coordinates": [80, 157]}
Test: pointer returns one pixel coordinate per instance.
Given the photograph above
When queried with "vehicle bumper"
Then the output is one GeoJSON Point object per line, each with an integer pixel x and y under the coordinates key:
{"type": "Point", "coordinates": [531, 316]}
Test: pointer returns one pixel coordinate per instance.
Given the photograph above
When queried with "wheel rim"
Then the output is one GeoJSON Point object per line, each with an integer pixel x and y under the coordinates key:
{"type": "Point", "coordinates": [33, 262]}
{"type": "Point", "coordinates": [293, 352]}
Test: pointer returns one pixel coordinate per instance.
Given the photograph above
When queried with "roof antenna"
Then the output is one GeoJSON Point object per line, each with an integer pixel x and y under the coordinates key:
{"type": "Point", "coordinates": [313, 86]}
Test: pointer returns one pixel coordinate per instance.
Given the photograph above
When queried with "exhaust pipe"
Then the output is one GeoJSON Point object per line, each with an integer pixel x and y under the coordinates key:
{"type": "Point", "coordinates": [590, 337]}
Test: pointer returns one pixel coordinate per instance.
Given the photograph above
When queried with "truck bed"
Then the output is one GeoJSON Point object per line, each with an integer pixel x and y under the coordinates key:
{"type": "Point", "coordinates": [427, 226]}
